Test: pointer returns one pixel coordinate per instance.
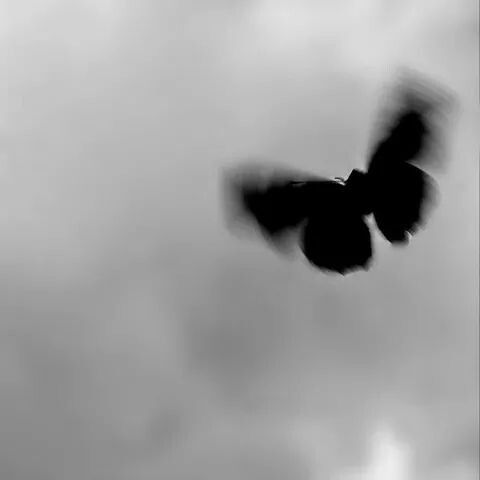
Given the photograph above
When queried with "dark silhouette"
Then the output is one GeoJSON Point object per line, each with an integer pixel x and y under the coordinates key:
{"type": "Point", "coordinates": [329, 215]}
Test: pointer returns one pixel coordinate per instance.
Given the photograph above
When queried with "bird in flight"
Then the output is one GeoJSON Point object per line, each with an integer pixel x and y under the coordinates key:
{"type": "Point", "coordinates": [328, 216]}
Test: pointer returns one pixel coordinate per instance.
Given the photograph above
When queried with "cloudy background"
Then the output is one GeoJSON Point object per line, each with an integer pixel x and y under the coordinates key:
{"type": "Point", "coordinates": [138, 338]}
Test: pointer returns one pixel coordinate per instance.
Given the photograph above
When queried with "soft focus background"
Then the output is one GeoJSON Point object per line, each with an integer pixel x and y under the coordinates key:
{"type": "Point", "coordinates": [138, 338]}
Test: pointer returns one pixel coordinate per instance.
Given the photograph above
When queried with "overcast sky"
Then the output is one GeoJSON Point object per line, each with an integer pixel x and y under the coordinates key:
{"type": "Point", "coordinates": [138, 338]}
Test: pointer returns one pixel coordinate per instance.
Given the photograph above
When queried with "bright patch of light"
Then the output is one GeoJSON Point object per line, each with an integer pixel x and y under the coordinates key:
{"type": "Point", "coordinates": [284, 18]}
{"type": "Point", "coordinates": [292, 23]}
{"type": "Point", "coordinates": [389, 458]}
{"type": "Point", "coordinates": [361, 35]}
{"type": "Point", "coordinates": [106, 10]}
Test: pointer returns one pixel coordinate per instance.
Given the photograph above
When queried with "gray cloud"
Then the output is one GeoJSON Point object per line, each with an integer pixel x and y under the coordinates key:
{"type": "Point", "coordinates": [138, 338]}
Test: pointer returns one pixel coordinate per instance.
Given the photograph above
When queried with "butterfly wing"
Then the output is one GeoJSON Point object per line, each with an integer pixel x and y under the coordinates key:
{"type": "Point", "coordinates": [273, 199]}
{"type": "Point", "coordinates": [335, 237]}
{"type": "Point", "coordinates": [338, 244]}
{"type": "Point", "coordinates": [411, 123]}
{"type": "Point", "coordinates": [403, 196]}
{"type": "Point", "coordinates": [402, 192]}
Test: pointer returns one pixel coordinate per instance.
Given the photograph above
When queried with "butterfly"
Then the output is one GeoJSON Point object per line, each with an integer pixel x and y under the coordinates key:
{"type": "Point", "coordinates": [329, 216]}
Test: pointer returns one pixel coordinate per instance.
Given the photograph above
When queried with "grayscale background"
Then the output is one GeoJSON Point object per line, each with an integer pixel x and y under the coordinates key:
{"type": "Point", "coordinates": [139, 339]}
